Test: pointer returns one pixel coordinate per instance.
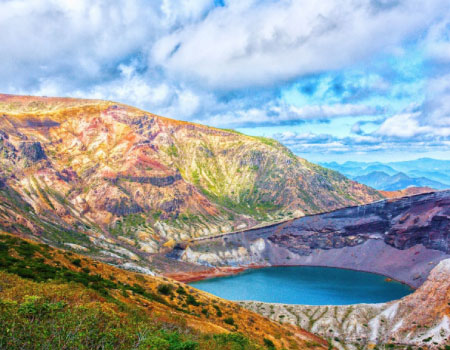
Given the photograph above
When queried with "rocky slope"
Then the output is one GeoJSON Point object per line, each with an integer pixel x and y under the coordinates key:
{"type": "Point", "coordinates": [421, 319]}
{"type": "Point", "coordinates": [402, 238]}
{"type": "Point", "coordinates": [118, 182]}
{"type": "Point", "coordinates": [410, 191]}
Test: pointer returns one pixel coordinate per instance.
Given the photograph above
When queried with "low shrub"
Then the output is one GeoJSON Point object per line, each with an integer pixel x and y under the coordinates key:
{"type": "Point", "coordinates": [269, 344]}
{"type": "Point", "coordinates": [165, 289]}
{"type": "Point", "coordinates": [229, 320]}
{"type": "Point", "coordinates": [190, 300]}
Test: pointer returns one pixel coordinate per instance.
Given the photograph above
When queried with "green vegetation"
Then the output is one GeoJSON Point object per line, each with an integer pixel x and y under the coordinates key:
{"type": "Point", "coordinates": [44, 305]}
{"type": "Point", "coordinates": [172, 151]}
{"type": "Point", "coordinates": [40, 323]}
{"type": "Point", "coordinates": [128, 224]}
{"type": "Point", "coordinates": [218, 311]}
{"type": "Point", "coordinates": [76, 262]}
{"type": "Point", "coordinates": [44, 322]}
{"type": "Point", "coordinates": [232, 341]}
{"type": "Point", "coordinates": [181, 290]}
{"type": "Point", "coordinates": [165, 289]}
{"type": "Point", "coordinates": [248, 204]}
{"type": "Point", "coordinates": [58, 234]}
{"type": "Point", "coordinates": [190, 300]}
{"type": "Point", "coordinates": [267, 141]}
{"type": "Point", "coordinates": [269, 344]}
{"type": "Point", "coordinates": [232, 131]}
{"type": "Point", "coordinates": [229, 320]}
{"type": "Point", "coordinates": [34, 267]}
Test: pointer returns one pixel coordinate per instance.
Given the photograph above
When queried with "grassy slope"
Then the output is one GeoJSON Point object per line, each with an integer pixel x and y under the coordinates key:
{"type": "Point", "coordinates": [50, 298]}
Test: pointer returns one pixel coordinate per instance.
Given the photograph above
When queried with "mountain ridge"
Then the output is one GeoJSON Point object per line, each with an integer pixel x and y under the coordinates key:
{"type": "Point", "coordinates": [126, 182]}
{"type": "Point", "coordinates": [399, 181]}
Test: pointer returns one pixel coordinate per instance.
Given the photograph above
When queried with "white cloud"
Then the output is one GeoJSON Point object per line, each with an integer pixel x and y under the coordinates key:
{"type": "Point", "coordinates": [331, 111]}
{"type": "Point", "coordinates": [403, 125]}
{"type": "Point", "coordinates": [78, 40]}
{"type": "Point", "coordinates": [437, 42]}
{"type": "Point", "coordinates": [356, 128]}
{"type": "Point", "coordinates": [179, 11]}
{"type": "Point", "coordinates": [189, 60]}
{"type": "Point", "coordinates": [436, 110]}
{"type": "Point", "coordinates": [361, 144]}
{"type": "Point", "coordinates": [276, 112]}
{"type": "Point", "coordinates": [252, 43]}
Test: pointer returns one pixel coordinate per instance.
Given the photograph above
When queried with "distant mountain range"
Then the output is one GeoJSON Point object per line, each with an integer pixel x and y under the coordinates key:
{"type": "Point", "coordinates": [392, 176]}
{"type": "Point", "coordinates": [385, 182]}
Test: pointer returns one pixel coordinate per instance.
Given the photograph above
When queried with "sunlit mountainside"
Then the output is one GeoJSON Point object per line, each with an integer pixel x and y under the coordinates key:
{"type": "Point", "coordinates": [121, 183]}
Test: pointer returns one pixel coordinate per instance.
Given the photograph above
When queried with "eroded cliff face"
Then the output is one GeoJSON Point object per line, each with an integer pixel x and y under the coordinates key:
{"type": "Point", "coordinates": [120, 182]}
{"type": "Point", "coordinates": [402, 238]}
{"type": "Point", "coordinates": [421, 319]}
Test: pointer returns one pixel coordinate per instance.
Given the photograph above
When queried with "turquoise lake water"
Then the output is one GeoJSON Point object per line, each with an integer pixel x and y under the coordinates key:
{"type": "Point", "coordinates": [305, 285]}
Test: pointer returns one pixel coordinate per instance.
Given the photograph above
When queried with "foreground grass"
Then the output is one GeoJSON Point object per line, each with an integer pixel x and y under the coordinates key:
{"type": "Point", "coordinates": [53, 299]}
{"type": "Point", "coordinates": [53, 315]}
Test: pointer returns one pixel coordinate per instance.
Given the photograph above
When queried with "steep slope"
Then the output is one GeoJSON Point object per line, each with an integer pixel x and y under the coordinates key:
{"type": "Point", "coordinates": [421, 319]}
{"type": "Point", "coordinates": [55, 299]}
{"type": "Point", "coordinates": [382, 181]}
{"type": "Point", "coordinates": [402, 238]}
{"type": "Point", "coordinates": [118, 182]}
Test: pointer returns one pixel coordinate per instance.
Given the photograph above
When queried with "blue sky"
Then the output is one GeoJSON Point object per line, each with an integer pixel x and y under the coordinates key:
{"type": "Point", "coordinates": [350, 80]}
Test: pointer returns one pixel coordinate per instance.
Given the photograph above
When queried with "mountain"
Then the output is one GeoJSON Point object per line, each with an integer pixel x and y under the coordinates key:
{"type": "Point", "coordinates": [423, 164]}
{"type": "Point", "coordinates": [120, 183]}
{"type": "Point", "coordinates": [54, 299]}
{"type": "Point", "coordinates": [432, 175]}
{"type": "Point", "coordinates": [382, 181]}
{"type": "Point", "coordinates": [430, 172]}
{"type": "Point", "coordinates": [353, 169]}
{"type": "Point", "coordinates": [380, 168]}
{"type": "Point", "coordinates": [433, 169]}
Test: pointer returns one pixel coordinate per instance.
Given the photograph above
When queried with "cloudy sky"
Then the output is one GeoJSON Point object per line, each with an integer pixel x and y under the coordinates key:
{"type": "Point", "coordinates": [333, 80]}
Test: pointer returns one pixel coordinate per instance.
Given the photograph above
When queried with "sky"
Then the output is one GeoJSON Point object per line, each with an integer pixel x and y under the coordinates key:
{"type": "Point", "coordinates": [365, 80]}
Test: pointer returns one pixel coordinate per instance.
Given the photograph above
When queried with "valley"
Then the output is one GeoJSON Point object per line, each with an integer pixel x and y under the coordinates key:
{"type": "Point", "coordinates": [91, 189]}
{"type": "Point", "coordinates": [225, 175]}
